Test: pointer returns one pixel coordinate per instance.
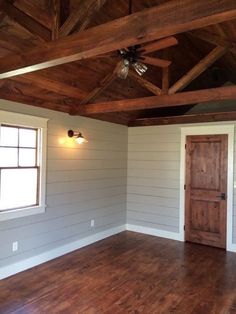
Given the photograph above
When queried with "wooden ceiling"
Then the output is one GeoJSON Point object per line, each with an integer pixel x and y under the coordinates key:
{"type": "Point", "coordinates": [62, 55]}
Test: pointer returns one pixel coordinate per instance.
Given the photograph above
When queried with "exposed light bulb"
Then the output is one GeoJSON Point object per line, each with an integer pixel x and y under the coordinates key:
{"type": "Point", "coordinates": [140, 67]}
{"type": "Point", "coordinates": [80, 139]}
{"type": "Point", "coordinates": [78, 136]}
{"type": "Point", "coordinates": [124, 69]}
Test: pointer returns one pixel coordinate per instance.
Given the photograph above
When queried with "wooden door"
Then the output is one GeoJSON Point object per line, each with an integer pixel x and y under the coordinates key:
{"type": "Point", "coordinates": [205, 190]}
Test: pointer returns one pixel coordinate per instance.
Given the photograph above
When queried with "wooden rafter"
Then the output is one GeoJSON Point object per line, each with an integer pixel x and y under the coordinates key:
{"type": "Point", "coordinates": [179, 99]}
{"type": "Point", "coordinates": [145, 83]}
{"type": "Point", "coordinates": [188, 118]}
{"type": "Point", "coordinates": [104, 83]}
{"type": "Point", "coordinates": [199, 68]}
{"type": "Point", "coordinates": [173, 17]}
{"type": "Point", "coordinates": [120, 118]}
{"type": "Point", "coordinates": [36, 80]}
{"type": "Point", "coordinates": [35, 12]}
{"type": "Point", "coordinates": [80, 18]}
{"type": "Point", "coordinates": [26, 21]}
{"type": "Point", "coordinates": [55, 12]}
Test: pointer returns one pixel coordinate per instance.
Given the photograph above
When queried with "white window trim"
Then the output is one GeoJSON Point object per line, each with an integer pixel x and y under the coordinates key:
{"type": "Point", "coordinates": [19, 119]}
{"type": "Point", "coordinates": [209, 130]}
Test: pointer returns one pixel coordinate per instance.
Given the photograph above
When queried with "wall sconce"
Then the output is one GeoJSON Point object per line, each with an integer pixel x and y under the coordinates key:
{"type": "Point", "coordinates": [78, 135]}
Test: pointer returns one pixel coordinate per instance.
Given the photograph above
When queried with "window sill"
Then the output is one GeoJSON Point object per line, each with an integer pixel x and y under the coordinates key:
{"type": "Point", "coordinates": [23, 212]}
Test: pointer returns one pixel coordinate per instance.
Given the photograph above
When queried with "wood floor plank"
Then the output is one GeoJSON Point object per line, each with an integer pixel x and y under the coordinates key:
{"type": "Point", "coordinates": [127, 273]}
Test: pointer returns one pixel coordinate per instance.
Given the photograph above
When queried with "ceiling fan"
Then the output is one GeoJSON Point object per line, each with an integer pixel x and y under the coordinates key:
{"type": "Point", "coordinates": [136, 56]}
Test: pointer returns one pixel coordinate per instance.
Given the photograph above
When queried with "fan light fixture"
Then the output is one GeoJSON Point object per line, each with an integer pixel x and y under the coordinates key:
{"type": "Point", "coordinates": [131, 56]}
{"type": "Point", "coordinates": [78, 136]}
{"type": "Point", "coordinates": [124, 69]}
{"type": "Point", "coordinates": [140, 67]}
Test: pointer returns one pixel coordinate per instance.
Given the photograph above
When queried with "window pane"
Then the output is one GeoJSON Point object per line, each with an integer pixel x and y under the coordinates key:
{"type": "Point", "coordinates": [27, 157]}
{"type": "Point", "coordinates": [8, 136]}
{"type": "Point", "coordinates": [18, 188]}
{"type": "Point", "coordinates": [27, 138]}
{"type": "Point", "coordinates": [8, 157]}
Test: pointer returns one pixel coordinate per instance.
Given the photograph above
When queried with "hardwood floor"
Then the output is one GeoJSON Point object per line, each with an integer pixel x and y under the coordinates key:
{"type": "Point", "coordinates": [127, 273]}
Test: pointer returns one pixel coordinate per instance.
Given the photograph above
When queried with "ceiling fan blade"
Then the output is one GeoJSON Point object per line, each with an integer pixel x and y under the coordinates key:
{"type": "Point", "coordinates": [135, 47]}
{"type": "Point", "coordinates": [113, 54]}
{"type": "Point", "coordinates": [160, 44]}
{"type": "Point", "coordinates": [157, 62]}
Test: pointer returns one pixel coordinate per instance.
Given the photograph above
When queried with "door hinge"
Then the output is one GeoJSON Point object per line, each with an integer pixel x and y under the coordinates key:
{"type": "Point", "coordinates": [185, 186]}
{"type": "Point", "coordinates": [184, 227]}
{"type": "Point", "coordinates": [185, 146]}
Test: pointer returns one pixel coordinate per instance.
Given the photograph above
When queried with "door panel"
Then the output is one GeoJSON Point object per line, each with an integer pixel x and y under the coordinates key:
{"type": "Point", "coordinates": [205, 216]}
{"type": "Point", "coordinates": [206, 186]}
{"type": "Point", "coordinates": [205, 165]}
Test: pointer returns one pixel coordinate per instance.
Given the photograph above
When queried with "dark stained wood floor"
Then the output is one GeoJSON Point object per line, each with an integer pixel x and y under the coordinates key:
{"type": "Point", "coordinates": [127, 273]}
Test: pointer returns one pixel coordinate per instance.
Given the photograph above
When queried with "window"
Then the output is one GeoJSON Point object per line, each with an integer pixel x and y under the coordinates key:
{"type": "Point", "coordinates": [22, 165]}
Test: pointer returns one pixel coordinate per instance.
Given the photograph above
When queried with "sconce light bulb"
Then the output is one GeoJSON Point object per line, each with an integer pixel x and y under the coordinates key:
{"type": "Point", "coordinates": [80, 139]}
{"type": "Point", "coordinates": [78, 136]}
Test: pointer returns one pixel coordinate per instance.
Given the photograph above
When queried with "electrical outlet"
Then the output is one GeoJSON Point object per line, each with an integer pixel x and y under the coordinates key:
{"type": "Point", "coordinates": [92, 223]}
{"type": "Point", "coordinates": [14, 246]}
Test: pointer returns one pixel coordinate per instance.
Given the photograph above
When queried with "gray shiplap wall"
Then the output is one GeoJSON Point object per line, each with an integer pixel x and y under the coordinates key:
{"type": "Point", "coordinates": [153, 177]}
{"type": "Point", "coordinates": [153, 186]}
{"type": "Point", "coordinates": [90, 181]}
{"type": "Point", "coordinates": [84, 182]}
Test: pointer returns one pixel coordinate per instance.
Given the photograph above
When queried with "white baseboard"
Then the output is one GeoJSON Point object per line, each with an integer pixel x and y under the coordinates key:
{"type": "Point", "coordinates": [231, 248]}
{"type": "Point", "coordinates": [15, 268]}
{"type": "Point", "coordinates": [154, 232]}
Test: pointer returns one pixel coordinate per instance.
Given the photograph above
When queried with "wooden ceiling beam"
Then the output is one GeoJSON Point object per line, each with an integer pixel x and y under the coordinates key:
{"type": "Point", "coordinates": [145, 83]}
{"type": "Point", "coordinates": [36, 80]}
{"type": "Point", "coordinates": [40, 81]}
{"type": "Point", "coordinates": [55, 13]}
{"type": "Point", "coordinates": [34, 11]}
{"type": "Point", "coordinates": [188, 118]}
{"type": "Point", "coordinates": [179, 99]}
{"type": "Point", "coordinates": [198, 69]}
{"type": "Point", "coordinates": [26, 21]}
{"type": "Point", "coordinates": [44, 80]}
{"type": "Point", "coordinates": [119, 118]}
{"type": "Point", "coordinates": [80, 18]}
{"type": "Point", "coordinates": [173, 17]}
